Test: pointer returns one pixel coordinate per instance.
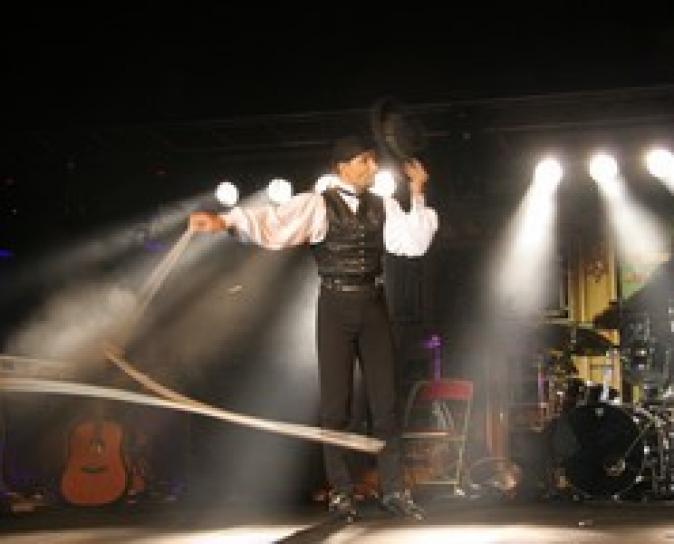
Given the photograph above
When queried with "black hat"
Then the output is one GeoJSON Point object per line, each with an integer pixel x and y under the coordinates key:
{"type": "Point", "coordinates": [347, 147]}
{"type": "Point", "coordinates": [396, 131]}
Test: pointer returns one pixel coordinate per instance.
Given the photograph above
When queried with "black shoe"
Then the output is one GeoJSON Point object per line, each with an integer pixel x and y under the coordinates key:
{"type": "Point", "coordinates": [400, 503]}
{"type": "Point", "coordinates": [341, 505]}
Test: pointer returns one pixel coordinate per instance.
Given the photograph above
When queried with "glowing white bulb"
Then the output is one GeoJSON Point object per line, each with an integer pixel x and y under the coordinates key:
{"type": "Point", "coordinates": [227, 194]}
{"type": "Point", "coordinates": [548, 172]}
{"type": "Point", "coordinates": [325, 182]}
{"type": "Point", "coordinates": [279, 191]}
{"type": "Point", "coordinates": [603, 167]}
{"type": "Point", "coordinates": [384, 183]}
{"type": "Point", "coordinates": [660, 163]}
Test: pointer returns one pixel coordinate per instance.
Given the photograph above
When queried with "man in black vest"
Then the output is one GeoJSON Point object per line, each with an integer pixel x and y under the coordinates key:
{"type": "Point", "coordinates": [349, 228]}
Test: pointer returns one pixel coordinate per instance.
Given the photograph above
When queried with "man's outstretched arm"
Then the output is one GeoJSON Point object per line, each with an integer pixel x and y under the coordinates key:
{"type": "Point", "coordinates": [301, 220]}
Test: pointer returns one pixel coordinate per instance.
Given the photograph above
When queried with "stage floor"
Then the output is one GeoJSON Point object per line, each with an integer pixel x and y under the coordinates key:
{"type": "Point", "coordinates": [456, 521]}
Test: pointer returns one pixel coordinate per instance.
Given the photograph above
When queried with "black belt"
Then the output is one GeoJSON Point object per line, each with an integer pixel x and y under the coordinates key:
{"type": "Point", "coordinates": [352, 284]}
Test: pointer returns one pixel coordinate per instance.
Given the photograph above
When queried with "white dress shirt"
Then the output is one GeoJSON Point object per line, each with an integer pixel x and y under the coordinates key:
{"type": "Point", "coordinates": [303, 219]}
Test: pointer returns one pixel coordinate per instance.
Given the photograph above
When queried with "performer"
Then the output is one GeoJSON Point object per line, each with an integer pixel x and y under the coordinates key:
{"type": "Point", "coordinates": [349, 228]}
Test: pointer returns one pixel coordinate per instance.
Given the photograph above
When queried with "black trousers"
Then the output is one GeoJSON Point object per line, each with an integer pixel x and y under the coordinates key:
{"type": "Point", "coordinates": [355, 325]}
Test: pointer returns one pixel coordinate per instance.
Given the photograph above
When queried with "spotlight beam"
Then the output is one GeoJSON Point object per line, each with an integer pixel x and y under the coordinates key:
{"type": "Point", "coordinates": [640, 235]}
{"type": "Point", "coordinates": [153, 284]}
{"type": "Point", "coordinates": [527, 247]}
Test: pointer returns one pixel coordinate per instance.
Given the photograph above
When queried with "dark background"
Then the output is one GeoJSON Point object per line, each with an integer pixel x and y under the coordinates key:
{"type": "Point", "coordinates": [156, 61]}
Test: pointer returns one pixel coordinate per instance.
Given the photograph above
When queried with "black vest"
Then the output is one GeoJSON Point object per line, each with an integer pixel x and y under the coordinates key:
{"type": "Point", "coordinates": [354, 244]}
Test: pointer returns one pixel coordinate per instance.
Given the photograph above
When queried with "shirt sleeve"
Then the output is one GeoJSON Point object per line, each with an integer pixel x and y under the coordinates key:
{"type": "Point", "coordinates": [409, 234]}
{"type": "Point", "coordinates": [303, 219]}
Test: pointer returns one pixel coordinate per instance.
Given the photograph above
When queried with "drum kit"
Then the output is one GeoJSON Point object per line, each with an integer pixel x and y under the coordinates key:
{"type": "Point", "coordinates": [602, 445]}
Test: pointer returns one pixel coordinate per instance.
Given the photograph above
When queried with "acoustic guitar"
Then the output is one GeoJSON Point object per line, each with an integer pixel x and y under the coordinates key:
{"type": "Point", "coordinates": [95, 473]}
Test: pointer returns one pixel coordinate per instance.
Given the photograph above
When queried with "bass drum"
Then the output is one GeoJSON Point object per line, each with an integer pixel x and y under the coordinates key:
{"type": "Point", "coordinates": [602, 448]}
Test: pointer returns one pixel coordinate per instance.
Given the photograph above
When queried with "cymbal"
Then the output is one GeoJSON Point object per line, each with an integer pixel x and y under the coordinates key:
{"type": "Point", "coordinates": [620, 313]}
{"type": "Point", "coordinates": [573, 338]}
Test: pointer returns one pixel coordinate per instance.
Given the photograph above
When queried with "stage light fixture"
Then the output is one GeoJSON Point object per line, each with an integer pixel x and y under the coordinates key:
{"type": "Point", "coordinates": [227, 193]}
{"type": "Point", "coordinates": [603, 168]}
{"type": "Point", "coordinates": [548, 172]}
{"type": "Point", "coordinates": [660, 163]}
{"type": "Point", "coordinates": [279, 190]}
